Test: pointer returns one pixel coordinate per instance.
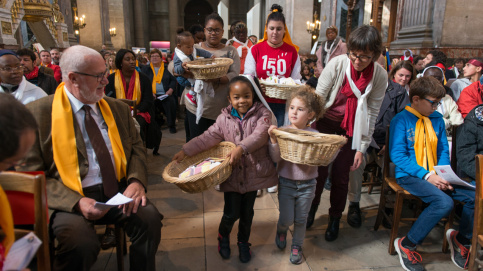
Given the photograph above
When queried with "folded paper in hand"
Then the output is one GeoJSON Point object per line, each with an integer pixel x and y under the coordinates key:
{"type": "Point", "coordinates": [22, 252]}
{"type": "Point", "coordinates": [118, 199]}
{"type": "Point", "coordinates": [447, 173]}
{"type": "Point", "coordinates": [162, 97]}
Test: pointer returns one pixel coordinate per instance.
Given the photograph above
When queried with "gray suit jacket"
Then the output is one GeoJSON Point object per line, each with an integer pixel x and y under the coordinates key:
{"type": "Point", "coordinates": [41, 157]}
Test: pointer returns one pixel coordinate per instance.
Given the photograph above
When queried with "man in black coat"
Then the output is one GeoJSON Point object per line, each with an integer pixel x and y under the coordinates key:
{"type": "Point", "coordinates": [33, 74]}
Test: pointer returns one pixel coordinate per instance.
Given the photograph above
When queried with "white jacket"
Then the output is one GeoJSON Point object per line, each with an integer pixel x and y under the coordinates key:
{"type": "Point", "coordinates": [451, 115]}
{"type": "Point", "coordinates": [27, 92]}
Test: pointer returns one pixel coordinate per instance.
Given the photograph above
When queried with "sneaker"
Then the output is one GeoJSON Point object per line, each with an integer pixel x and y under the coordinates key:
{"type": "Point", "coordinates": [224, 246]}
{"type": "Point", "coordinates": [259, 192]}
{"type": "Point", "coordinates": [244, 251]}
{"type": "Point", "coordinates": [191, 99]}
{"type": "Point", "coordinates": [272, 189]}
{"type": "Point", "coordinates": [281, 239]}
{"type": "Point", "coordinates": [409, 259]}
{"type": "Point", "coordinates": [459, 253]}
{"type": "Point", "coordinates": [296, 254]}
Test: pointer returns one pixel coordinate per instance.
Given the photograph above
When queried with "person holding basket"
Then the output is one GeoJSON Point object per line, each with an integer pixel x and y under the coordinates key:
{"type": "Point", "coordinates": [353, 88]}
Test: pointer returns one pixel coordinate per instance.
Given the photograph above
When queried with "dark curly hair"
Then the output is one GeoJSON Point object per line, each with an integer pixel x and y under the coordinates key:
{"type": "Point", "coordinates": [277, 14]}
{"type": "Point", "coordinates": [27, 52]}
{"type": "Point", "coordinates": [214, 16]}
{"type": "Point", "coordinates": [438, 57]}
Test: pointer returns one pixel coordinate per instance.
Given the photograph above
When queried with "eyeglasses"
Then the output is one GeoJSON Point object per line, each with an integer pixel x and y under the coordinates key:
{"type": "Point", "coordinates": [214, 30]}
{"type": "Point", "coordinates": [434, 104]}
{"type": "Point", "coordinates": [361, 58]}
{"type": "Point", "coordinates": [12, 69]}
{"type": "Point", "coordinates": [99, 76]}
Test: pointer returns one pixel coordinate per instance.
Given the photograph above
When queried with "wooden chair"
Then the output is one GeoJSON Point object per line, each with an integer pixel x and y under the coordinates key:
{"type": "Point", "coordinates": [476, 251]}
{"type": "Point", "coordinates": [389, 183]}
{"type": "Point", "coordinates": [372, 176]}
{"type": "Point", "coordinates": [32, 184]}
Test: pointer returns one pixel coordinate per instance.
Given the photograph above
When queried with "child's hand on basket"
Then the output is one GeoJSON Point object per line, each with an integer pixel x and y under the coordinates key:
{"type": "Point", "coordinates": [235, 155]}
{"type": "Point", "coordinates": [185, 66]}
{"type": "Point", "coordinates": [178, 157]}
{"type": "Point", "coordinates": [273, 138]}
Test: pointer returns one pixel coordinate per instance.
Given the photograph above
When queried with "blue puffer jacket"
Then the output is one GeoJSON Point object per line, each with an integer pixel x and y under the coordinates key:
{"type": "Point", "coordinates": [401, 144]}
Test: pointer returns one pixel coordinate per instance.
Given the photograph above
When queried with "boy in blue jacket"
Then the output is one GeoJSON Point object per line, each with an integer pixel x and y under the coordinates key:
{"type": "Point", "coordinates": [417, 143]}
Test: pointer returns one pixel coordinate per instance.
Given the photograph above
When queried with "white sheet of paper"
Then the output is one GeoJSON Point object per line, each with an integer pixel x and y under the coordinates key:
{"type": "Point", "coordinates": [118, 199]}
{"type": "Point", "coordinates": [162, 97]}
{"type": "Point", "coordinates": [447, 173]}
{"type": "Point", "coordinates": [22, 252]}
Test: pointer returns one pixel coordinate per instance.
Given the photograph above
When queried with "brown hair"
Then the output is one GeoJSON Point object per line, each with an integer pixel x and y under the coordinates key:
{"type": "Point", "coordinates": [406, 65]}
{"type": "Point", "coordinates": [426, 87]}
{"type": "Point", "coordinates": [314, 102]}
{"type": "Point", "coordinates": [367, 39]}
{"type": "Point", "coordinates": [155, 51]}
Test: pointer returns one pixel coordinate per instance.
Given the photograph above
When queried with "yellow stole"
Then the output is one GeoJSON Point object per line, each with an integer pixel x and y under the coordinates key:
{"type": "Point", "coordinates": [157, 76]}
{"type": "Point", "coordinates": [6, 221]}
{"type": "Point", "coordinates": [119, 86]}
{"type": "Point", "coordinates": [425, 141]}
{"type": "Point", "coordinates": [64, 143]}
{"type": "Point", "coordinates": [286, 37]}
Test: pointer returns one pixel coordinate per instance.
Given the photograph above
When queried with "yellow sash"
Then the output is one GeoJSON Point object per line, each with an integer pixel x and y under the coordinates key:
{"type": "Point", "coordinates": [425, 141]}
{"type": "Point", "coordinates": [64, 143]}
{"type": "Point", "coordinates": [6, 221]}
{"type": "Point", "coordinates": [286, 37]}
{"type": "Point", "coordinates": [119, 86]}
{"type": "Point", "coordinates": [157, 77]}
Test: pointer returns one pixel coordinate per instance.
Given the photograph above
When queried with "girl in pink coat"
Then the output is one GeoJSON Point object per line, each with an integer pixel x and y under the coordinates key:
{"type": "Point", "coordinates": [244, 122]}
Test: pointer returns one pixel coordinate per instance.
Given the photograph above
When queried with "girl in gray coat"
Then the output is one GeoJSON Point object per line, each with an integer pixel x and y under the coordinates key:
{"type": "Point", "coordinates": [244, 122]}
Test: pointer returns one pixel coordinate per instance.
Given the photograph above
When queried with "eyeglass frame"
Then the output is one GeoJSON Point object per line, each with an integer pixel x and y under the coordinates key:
{"type": "Point", "coordinates": [10, 69]}
{"type": "Point", "coordinates": [216, 31]}
{"type": "Point", "coordinates": [99, 76]}
{"type": "Point", "coordinates": [349, 55]}
{"type": "Point", "coordinates": [433, 103]}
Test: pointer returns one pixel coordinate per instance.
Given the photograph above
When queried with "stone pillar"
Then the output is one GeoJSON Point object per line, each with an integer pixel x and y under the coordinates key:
{"type": "Point", "coordinates": [173, 23]}
{"type": "Point", "coordinates": [105, 24]}
{"type": "Point", "coordinates": [9, 26]}
{"type": "Point", "coordinates": [298, 12]}
{"type": "Point", "coordinates": [416, 25]}
{"type": "Point", "coordinates": [66, 9]}
{"type": "Point", "coordinates": [140, 17]}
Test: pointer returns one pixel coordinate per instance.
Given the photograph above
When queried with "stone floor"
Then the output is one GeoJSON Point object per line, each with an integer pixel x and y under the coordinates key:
{"type": "Point", "coordinates": [191, 223]}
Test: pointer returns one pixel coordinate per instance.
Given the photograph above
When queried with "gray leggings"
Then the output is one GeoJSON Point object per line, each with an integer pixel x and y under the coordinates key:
{"type": "Point", "coordinates": [295, 199]}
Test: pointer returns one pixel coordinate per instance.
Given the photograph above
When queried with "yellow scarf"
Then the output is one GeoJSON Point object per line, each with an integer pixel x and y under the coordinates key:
{"type": "Point", "coordinates": [119, 86]}
{"type": "Point", "coordinates": [157, 77]}
{"type": "Point", "coordinates": [425, 141]}
{"type": "Point", "coordinates": [6, 221]}
{"type": "Point", "coordinates": [64, 144]}
{"type": "Point", "coordinates": [286, 37]}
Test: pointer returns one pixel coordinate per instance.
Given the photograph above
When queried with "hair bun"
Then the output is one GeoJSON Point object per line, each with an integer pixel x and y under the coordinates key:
{"type": "Point", "coordinates": [276, 8]}
{"type": "Point", "coordinates": [179, 30]}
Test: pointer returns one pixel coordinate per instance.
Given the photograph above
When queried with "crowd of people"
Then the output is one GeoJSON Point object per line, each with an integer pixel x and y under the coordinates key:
{"type": "Point", "coordinates": [91, 147]}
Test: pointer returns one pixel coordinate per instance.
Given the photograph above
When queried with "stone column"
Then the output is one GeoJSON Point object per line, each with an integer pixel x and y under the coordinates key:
{"type": "Point", "coordinates": [416, 25]}
{"type": "Point", "coordinates": [173, 22]}
{"type": "Point", "coordinates": [140, 17]}
{"type": "Point", "coordinates": [66, 9]}
{"type": "Point", "coordinates": [105, 24]}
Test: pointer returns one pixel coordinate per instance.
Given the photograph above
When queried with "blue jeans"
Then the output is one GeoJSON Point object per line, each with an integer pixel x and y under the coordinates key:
{"type": "Point", "coordinates": [440, 205]}
{"type": "Point", "coordinates": [295, 199]}
{"type": "Point", "coordinates": [279, 112]}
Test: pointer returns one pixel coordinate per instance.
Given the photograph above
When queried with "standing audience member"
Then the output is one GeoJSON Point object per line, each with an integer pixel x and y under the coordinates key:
{"type": "Point", "coordinates": [470, 97]}
{"type": "Point", "coordinates": [214, 102]}
{"type": "Point", "coordinates": [471, 72]}
{"type": "Point", "coordinates": [198, 33]}
{"type": "Point", "coordinates": [127, 83]}
{"type": "Point", "coordinates": [108, 158]}
{"type": "Point", "coordinates": [47, 62]}
{"type": "Point", "coordinates": [163, 83]}
{"type": "Point", "coordinates": [241, 43]}
{"type": "Point", "coordinates": [231, 33]}
{"type": "Point", "coordinates": [353, 87]}
{"type": "Point", "coordinates": [13, 81]}
{"type": "Point", "coordinates": [416, 131]}
{"type": "Point", "coordinates": [43, 69]}
{"type": "Point", "coordinates": [17, 136]}
{"type": "Point", "coordinates": [33, 74]}
{"type": "Point", "coordinates": [254, 39]}
{"type": "Point", "coordinates": [55, 54]}
{"type": "Point", "coordinates": [332, 47]}
{"type": "Point", "coordinates": [418, 63]}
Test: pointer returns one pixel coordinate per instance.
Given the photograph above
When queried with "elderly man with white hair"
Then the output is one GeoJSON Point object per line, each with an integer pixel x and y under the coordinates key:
{"type": "Point", "coordinates": [89, 149]}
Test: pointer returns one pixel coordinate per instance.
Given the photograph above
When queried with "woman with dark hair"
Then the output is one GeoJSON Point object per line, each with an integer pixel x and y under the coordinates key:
{"type": "Point", "coordinates": [353, 88]}
{"type": "Point", "coordinates": [403, 73]}
{"type": "Point", "coordinates": [198, 33]}
{"type": "Point", "coordinates": [127, 83]}
{"type": "Point", "coordinates": [198, 121]}
{"type": "Point", "coordinates": [241, 42]}
{"type": "Point", "coordinates": [332, 47]}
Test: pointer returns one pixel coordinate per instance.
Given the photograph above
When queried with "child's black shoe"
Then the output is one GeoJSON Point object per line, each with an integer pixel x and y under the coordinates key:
{"type": "Point", "coordinates": [224, 246]}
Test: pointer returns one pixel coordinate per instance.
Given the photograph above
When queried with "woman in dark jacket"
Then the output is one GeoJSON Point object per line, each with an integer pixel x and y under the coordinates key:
{"type": "Point", "coordinates": [160, 89]}
{"type": "Point", "coordinates": [469, 141]}
{"type": "Point", "coordinates": [127, 83]}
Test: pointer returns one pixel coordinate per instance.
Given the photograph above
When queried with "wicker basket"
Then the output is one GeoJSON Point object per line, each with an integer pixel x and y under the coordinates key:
{"type": "Point", "coordinates": [208, 68]}
{"type": "Point", "coordinates": [279, 91]}
{"type": "Point", "coordinates": [308, 148]}
{"type": "Point", "coordinates": [202, 181]}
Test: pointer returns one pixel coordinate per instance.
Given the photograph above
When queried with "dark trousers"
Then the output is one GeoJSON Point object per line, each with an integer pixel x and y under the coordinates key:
{"type": "Point", "coordinates": [238, 206]}
{"type": "Point", "coordinates": [196, 129]}
{"type": "Point", "coordinates": [78, 244]}
{"type": "Point", "coordinates": [150, 132]}
{"type": "Point", "coordinates": [168, 107]}
{"type": "Point", "coordinates": [340, 170]}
